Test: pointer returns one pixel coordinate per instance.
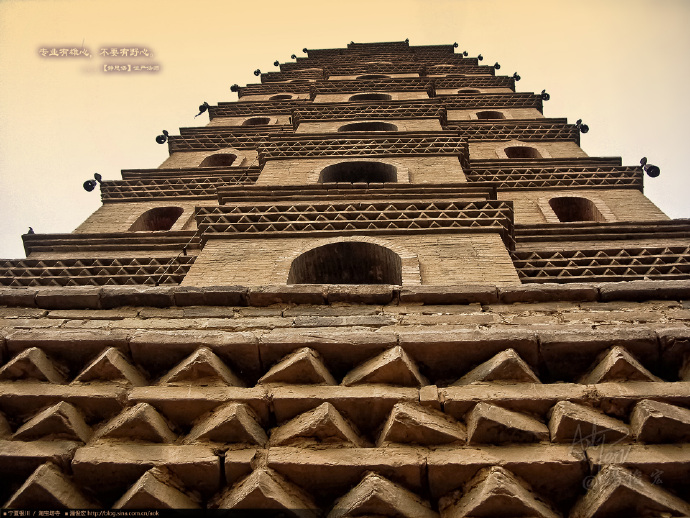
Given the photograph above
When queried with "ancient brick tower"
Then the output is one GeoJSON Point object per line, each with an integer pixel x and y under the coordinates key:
{"type": "Point", "coordinates": [381, 283]}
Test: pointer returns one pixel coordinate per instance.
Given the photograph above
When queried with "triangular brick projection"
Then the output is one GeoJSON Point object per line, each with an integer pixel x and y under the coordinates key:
{"type": "Point", "coordinates": [495, 491]}
{"type": "Point", "coordinates": [5, 429]}
{"type": "Point", "coordinates": [202, 367]}
{"type": "Point", "coordinates": [616, 491]}
{"type": "Point", "coordinates": [60, 421]}
{"type": "Point", "coordinates": [141, 422]}
{"type": "Point", "coordinates": [111, 365]}
{"type": "Point", "coordinates": [156, 489]}
{"type": "Point", "coordinates": [303, 366]}
{"type": "Point", "coordinates": [492, 424]}
{"type": "Point", "coordinates": [584, 426]}
{"type": "Point", "coordinates": [409, 423]}
{"type": "Point", "coordinates": [377, 496]}
{"type": "Point", "coordinates": [657, 422]}
{"type": "Point", "coordinates": [323, 424]}
{"type": "Point", "coordinates": [265, 489]}
{"type": "Point", "coordinates": [32, 364]}
{"type": "Point", "coordinates": [617, 364]}
{"type": "Point", "coordinates": [231, 423]}
{"type": "Point", "coordinates": [505, 367]}
{"type": "Point", "coordinates": [392, 367]}
{"type": "Point", "coordinates": [49, 488]}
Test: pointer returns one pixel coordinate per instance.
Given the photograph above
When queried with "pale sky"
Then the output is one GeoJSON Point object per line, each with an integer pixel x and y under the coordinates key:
{"type": "Point", "coordinates": [620, 65]}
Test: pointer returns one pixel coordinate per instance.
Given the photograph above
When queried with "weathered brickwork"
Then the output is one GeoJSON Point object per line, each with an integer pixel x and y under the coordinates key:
{"type": "Point", "coordinates": [531, 207]}
{"type": "Point", "coordinates": [436, 313]}
{"type": "Point", "coordinates": [431, 259]}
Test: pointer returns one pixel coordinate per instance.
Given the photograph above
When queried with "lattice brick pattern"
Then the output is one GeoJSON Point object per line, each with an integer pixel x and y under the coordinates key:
{"type": "Point", "coordinates": [385, 109]}
{"type": "Point", "coordinates": [256, 108]}
{"type": "Point", "coordinates": [359, 217]}
{"type": "Point", "coordinates": [173, 187]}
{"type": "Point", "coordinates": [271, 77]}
{"type": "Point", "coordinates": [400, 67]}
{"type": "Point", "coordinates": [553, 129]}
{"type": "Point", "coordinates": [548, 177]}
{"type": "Point", "coordinates": [378, 47]}
{"type": "Point", "coordinates": [390, 85]}
{"type": "Point", "coordinates": [512, 100]}
{"type": "Point", "coordinates": [475, 82]}
{"type": "Point", "coordinates": [616, 264]}
{"type": "Point", "coordinates": [273, 88]}
{"type": "Point", "coordinates": [216, 138]}
{"type": "Point", "coordinates": [94, 272]}
{"type": "Point", "coordinates": [348, 144]}
{"type": "Point", "coordinates": [431, 58]}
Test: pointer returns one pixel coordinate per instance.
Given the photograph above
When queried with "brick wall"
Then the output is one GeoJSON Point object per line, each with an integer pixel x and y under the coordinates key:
{"type": "Point", "coordinates": [439, 258]}
{"type": "Point", "coordinates": [403, 125]}
{"type": "Point", "coordinates": [493, 149]}
{"type": "Point", "coordinates": [623, 204]}
{"type": "Point", "coordinates": [419, 169]}
{"type": "Point", "coordinates": [118, 217]}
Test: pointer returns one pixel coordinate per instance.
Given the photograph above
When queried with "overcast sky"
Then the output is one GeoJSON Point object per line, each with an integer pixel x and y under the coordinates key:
{"type": "Point", "coordinates": [621, 65]}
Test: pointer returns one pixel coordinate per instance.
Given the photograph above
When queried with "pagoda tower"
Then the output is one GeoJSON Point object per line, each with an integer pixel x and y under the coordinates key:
{"type": "Point", "coordinates": [380, 283]}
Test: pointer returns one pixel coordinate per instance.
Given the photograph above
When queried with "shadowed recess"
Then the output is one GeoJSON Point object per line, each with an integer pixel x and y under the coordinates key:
{"type": "Point", "coordinates": [347, 263]}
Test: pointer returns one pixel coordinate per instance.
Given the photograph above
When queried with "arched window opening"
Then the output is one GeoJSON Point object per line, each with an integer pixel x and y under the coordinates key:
{"type": "Point", "coordinates": [489, 114]}
{"type": "Point", "coordinates": [299, 81]}
{"type": "Point", "coordinates": [368, 126]}
{"type": "Point", "coordinates": [374, 76]}
{"type": "Point", "coordinates": [280, 97]}
{"type": "Point", "coordinates": [218, 160]}
{"type": "Point", "coordinates": [349, 262]}
{"type": "Point", "coordinates": [256, 121]}
{"type": "Point", "coordinates": [574, 208]}
{"type": "Point", "coordinates": [468, 91]}
{"type": "Point", "coordinates": [356, 172]}
{"type": "Point", "coordinates": [522, 152]}
{"type": "Point", "coordinates": [371, 97]}
{"type": "Point", "coordinates": [160, 218]}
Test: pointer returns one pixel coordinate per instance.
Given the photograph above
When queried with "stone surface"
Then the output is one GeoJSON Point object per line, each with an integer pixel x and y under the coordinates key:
{"type": "Point", "coordinates": [544, 292]}
{"type": "Point", "coordinates": [49, 488]}
{"type": "Point", "coordinates": [292, 294]}
{"type": "Point", "coordinates": [460, 294]}
{"type": "Point", "coordinates": [617, 364]}
{"type": "Point", "coordinates": [505, 367]}
{"type": "Point", "coordinates": [645, 290]}
{"type": "Point", "coordinates": [415, 424]}
{"type": "Point", "coordinates": [495, 491]}
{"type": "Point", "coordinates": [111, 365]}
{"type": "Point", "coordinates": [266, 489]}
{"type": "Point", "coordinates": [303, 366]}
{"type": "Point", "coordinates": [656, 422]}
{"type": "Point", "coordinates": [211, 296]}
{"type": "Point", "coordinates": [159, 296]}
{"type": "Point", "coordinates": [495, 425]}
{"type": "Point", "coordinates": [61, 421]}
{"type": "Point", "coordinates": [376, 496]}
{"type": "Point", "coordinates": [69, 298]}
{"type": "Point", "coordinates": [141, 422]}
{"type": "Point", "coordinates": [360, 294]}
{"type": "Point", "coordinates": [156, 489]}
{"type": "Point", "coordinates": [616, 491]}
{"type": "Point", "coordinates": [202, 367]}
{"type": "Point", "coordinates": [109, 469]}
{"type": "Point", "coordinates": [33, 364]}
{"type": "Point", "coordinates": [230, 423]}
{"type": "Point", "coordinates": [393, 367]}
{"type": "Point", "coordinates": [323, 425]}
{"type": "Point", "coordinates": [584, 426]}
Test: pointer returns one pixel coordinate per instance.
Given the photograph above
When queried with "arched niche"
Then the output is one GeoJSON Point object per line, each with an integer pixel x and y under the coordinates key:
{"type": "Point", "coordinates": [575, 208]}
{"type": "Point", "coordinates": [347, 262]}
{"type": "Point", "coordinates": [368, 126]}
{"type": "Point", "coordinates": [490, 115]}
{"type": "Point", "coordinates": [359, 171]}
{"type": "Point", "coordinates": [257, 121]}
{"type": "Point", "coordinates": [219, 160]}
{"type": "Point", "coordinates": [371, 97]}
{"type": "Point", "coordinates": [522, 152]}
{"type": "Point", "coordinates": [373, 76]}
{"type": "Point", "coordinates": [280, 97]}
{"type": "Point", "coordinates": [159, 218]}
